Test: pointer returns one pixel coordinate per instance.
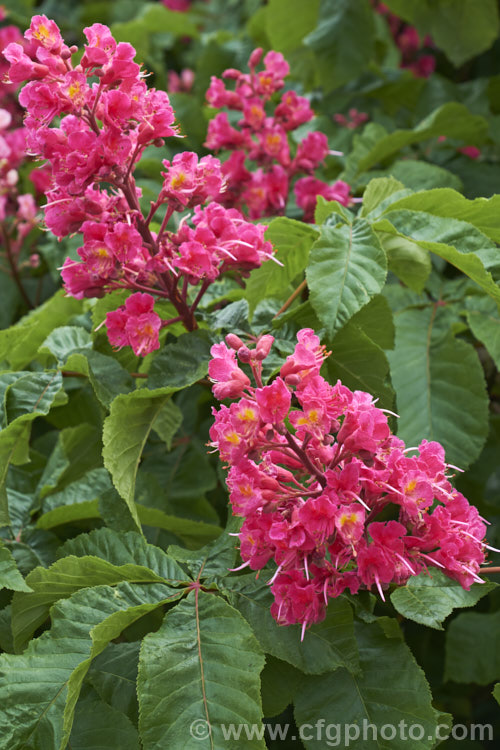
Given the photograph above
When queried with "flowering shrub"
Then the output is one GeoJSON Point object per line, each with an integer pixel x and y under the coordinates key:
{"type": "Point", "coordinates": [348, 584]}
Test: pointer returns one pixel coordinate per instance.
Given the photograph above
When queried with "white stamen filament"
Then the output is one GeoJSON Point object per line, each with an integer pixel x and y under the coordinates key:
{"type": "Point", "coordinates": [304, 624]}
{"type": "Point", "coordinates": [271, 580]}
{"type": "Point", "coordinates": [434, 562]}
{"type": "Point", "coordinates": [240, 567]}
{"type": "Point", "coordinates": [377, 583]}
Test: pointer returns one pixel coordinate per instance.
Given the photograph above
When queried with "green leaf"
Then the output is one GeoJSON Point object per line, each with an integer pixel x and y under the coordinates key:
{"type": "Point", "coordinates": [33, 393]}
{"type": "Point", "coordinates": [293, 241]}
{"type": "Point", "coordinates": [343, 41]}
{"type": "Point", "coordinates": [481, 212]}
{"type": "Point", "coordinates": [376, 320]}
{"type": "Point", "coordinates": [472, 653]}
{"type": "Point", "coordinates": [40, 687]}
{"type": "Point", "coordinates": [347, 267]}
{"type": "Point", "coordinates": [156, 18]}
{"type": "Point", "coordinates": [181, 363]}
{"type": "Point", "coordinates": [390, 688]}
{"type": "Point", "coordinates": [64, 340]}
{"type": "Point", "coordinates": [326, 646]}
{"type": "Point", "coordinates": [333, 211]}
{"type": "Point", "coordinates": [19, 343]}
{"type": "Point", "coordinates": [377, 191]}
{"type": "Point", "coordinates": [278, 685]}
{"type": "Point", "coordinates": [429, 599]}
{"type": "Point", "coordinates": [168, 422]}
{"type": "Point", "coordinates": [457, 242]}
{"type": "Point", "coordinates": [461, 28]}
{"type": "Point", "coordinates": [34, 396]}
{"type": "Point", "coordinates": [203, 665]}
{"type": "Point", "coordinates": [120, 548]}
{"type": "Point", "coordinates": [113, 675]}
{"type": "Point", "coordinates": [407, 260]}
{"type": "Point", "coordinates": [440, 388]}
{"type": "Point", "coordinates": [60, 581]}
{"type": "Point", "coordinates": [106, 375]}
{"type": "Point", "coordinates": [87, 488]}
{"type": "Point", "coordinates": [360, 364]}
{"type": "Point", "coordinates": [496, 692]}
{"type": "Point", "coordinates": [288, 21]}
{"type": "Point", "coordinates": [10, 577]}
{"type": "Point", "coordinates": [422, 175]}
{"type": "Point", "coordinates": [212, 560]}
{"type": "Point", "coordinates": [484, 321]}
{"type": "Point", "coordinates": [131, 418]}
{"type": "Point", "coordinates": [88, 509]}
{"type": "Point", "coordinates": [192, 533]}
{"type": "Point", "coordinates": [452, 120]}
{"type": "Point", "coordinates": [97, 725]}
{"type": "Point", "coordinates": [77, 450]}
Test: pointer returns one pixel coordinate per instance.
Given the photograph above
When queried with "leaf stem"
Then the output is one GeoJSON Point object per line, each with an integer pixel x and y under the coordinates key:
{"type": "Point", "coordinates": [291, 298]}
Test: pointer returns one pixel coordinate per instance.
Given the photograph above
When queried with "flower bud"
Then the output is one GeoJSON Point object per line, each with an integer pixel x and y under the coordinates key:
{"type": "Point", "coordinates": [255, 57]}
{"type": "Point", "coordinates": [234, 341]}
{"type": "Point", "coordinates": [232, 73]}
{"type": "Point", "coordinates": [244, 354]}
{"type": "Point", "coordinates": [263, 348]}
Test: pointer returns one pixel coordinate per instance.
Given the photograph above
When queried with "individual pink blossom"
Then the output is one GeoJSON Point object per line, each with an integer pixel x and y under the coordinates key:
{"type": "Point", "coordinates": [189, 181]}
{"type": "Point", "coordinates": [135, 324]}
{"type": "Point", "coordinates": [307, 190]}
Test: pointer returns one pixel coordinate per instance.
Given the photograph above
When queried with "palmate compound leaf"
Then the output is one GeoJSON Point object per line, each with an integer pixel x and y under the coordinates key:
{"type": "Point", "coordinates": [347, 267]}
{"type": "Point", "coordinates": [390, 688]}
{"type": "Point", "coordinates": [326, 646]}
{"type": "Point", "coordinates": [70, 574]}
{"type": "Point", "coordinates": [440, 389]}
{"type": "Point", "coordinates": [39, 688]}
{"type": "Point", "coordinates": [203, 665]}
{"type": "Point", "coordinates": [429, 599]}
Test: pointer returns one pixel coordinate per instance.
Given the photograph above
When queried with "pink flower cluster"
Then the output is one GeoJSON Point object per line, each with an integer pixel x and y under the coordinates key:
{"type": "Point", "coordinates": [326, 490]}
{"type": "Point", "coordinates": [263, 138]}
{"type": "Point", "coordinates": [353, 120]}
{"type": "Point", "coordinates": [18, 211]}
{"type": "Point", "coordinates": [106, 118]}
{"type": "Point", "coordinates": [410, 44]}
